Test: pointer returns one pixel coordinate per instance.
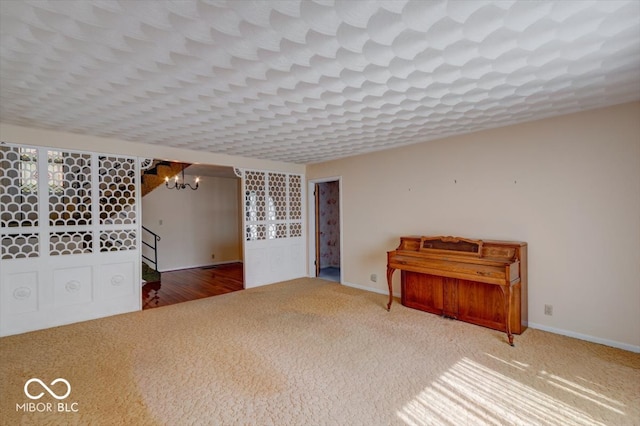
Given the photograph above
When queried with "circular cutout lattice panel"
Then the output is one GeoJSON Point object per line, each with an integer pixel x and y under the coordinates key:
{"type": "Point", "coordinates": [20, 246]}
{"type": "Point", "coordinates": [295, 230]}
{"type": "Point", "coordinates": [65, 243]}
{"type": "Point", "coordinates": [118, 240]}
{"type": "Point", "coordinates": [19, 180]}
{"type": "Point", "coordinates": [146, 163]}
{"type": "Point", "coordinates": [295, 197]}
{"type": "Point", "coordinates": [255, 196]}
{"type": "Point", "coordinates": [69, 188]}
{"type": "Point", "coordinates": [256, 232]}
{"type": "Point", "coordinates": [277, 230]}
{"type": "Point", "coordinates": [277, 196]}
{"type": "Point", "coordinates": [117, 190]}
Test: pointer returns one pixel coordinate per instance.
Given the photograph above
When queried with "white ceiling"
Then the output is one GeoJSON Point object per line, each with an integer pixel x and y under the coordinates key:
{"type": "Point", "coordinates": [309, 81]}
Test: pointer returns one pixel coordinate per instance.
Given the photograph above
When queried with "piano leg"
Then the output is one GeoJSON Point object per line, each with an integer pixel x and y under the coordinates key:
{"type": "Point", "coordinates": [390, 272]}
{"type": "Point", "coordinates": [506, 294]}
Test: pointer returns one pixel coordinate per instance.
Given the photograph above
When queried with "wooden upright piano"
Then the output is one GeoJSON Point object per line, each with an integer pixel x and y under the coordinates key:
{"type": "Point", "coordinates": [481, 282]}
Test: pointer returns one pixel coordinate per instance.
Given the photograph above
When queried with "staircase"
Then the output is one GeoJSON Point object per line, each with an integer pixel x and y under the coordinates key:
{"type": "Point", "coordinates": [156, 175]}
{"type": "Point", "coordinates": [152, 178]}
{"type": "Point", "coordinates": [149, 255]}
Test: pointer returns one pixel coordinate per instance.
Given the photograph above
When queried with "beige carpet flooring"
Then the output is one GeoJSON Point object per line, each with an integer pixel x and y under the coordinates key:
{"type": "Point", "coordinates": [311, 352]}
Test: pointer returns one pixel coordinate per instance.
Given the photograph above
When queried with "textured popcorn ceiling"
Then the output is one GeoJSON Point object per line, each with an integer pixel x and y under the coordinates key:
{"type": "Point", "coordinates": [308, 81]}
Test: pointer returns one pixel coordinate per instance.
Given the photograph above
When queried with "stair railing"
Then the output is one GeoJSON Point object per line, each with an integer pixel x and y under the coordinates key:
{"type": "Point", "coordinates": [153, 246]}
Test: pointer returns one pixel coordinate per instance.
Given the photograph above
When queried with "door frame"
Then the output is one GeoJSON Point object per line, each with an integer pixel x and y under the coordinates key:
{"type": "Point", "coordinates": [311, 184]}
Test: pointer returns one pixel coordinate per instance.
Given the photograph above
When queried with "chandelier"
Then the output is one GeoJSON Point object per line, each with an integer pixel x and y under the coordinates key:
{"type": "Point", "coordinates": [177, 185]}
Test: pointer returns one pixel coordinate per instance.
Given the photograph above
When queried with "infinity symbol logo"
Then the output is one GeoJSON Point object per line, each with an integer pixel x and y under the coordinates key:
{"type": "Point", "coordinates": [52, 393]}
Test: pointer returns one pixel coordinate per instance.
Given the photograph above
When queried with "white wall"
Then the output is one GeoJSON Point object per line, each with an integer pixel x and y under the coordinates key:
{"type": "Point", "coordinates": [195, 224]}
{"type": "Point", "coordinates": [569, 186]}
{"type": "Point", "coordinates": [40, 137]}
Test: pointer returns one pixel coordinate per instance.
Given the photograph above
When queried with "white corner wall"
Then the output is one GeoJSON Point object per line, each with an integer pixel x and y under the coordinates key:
{"type": "Point", "coordinates": [194, 225]}
{"type": "Point", "coordinates": [569, 186]}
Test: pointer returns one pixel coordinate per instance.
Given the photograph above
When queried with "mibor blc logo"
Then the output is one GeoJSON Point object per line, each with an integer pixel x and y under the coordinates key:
{"type": "Point", "coordinates": [52, 393]}
{"type": "Point", "coordinates": [35, 389]}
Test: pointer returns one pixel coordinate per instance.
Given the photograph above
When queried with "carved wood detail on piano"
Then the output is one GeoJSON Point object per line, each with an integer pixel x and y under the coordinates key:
{"type": "Point", "coordinates": [481, 282]}
{"type": "Point", "coordinates": [449, 245]}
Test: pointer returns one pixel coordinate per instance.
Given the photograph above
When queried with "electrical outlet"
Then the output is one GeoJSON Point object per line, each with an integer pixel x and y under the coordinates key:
{"type": "Point", "coordinates": [548, 310]}
{"type": "Point", "coordinates": [213, 256]}
{"type": "Point", "coordinates": [374, 278]}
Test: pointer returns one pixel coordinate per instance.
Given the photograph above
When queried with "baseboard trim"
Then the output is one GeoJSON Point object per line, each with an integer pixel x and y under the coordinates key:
{"type": "Point", "coordinates": [200, 266]}
{"type": "Point", "coordinates": [371, 289]}
{"type": "Point", "coordinates": [586, 337]}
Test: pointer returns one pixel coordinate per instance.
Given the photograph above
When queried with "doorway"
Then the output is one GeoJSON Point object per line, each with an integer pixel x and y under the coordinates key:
{"type": "Point", "coordinates": [192, 239]}
{"type": "Point", "coordinates": [326, 250]}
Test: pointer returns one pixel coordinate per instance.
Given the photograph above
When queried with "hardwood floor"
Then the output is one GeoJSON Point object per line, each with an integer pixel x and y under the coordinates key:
{"type": "Point", "coordinates": [191, 284]}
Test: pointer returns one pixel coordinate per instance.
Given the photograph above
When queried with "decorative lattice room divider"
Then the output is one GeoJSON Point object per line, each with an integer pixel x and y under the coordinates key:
{"type": "Point", "coordinates": [69, 236]}
{"type": "Point", "coordinates": [274, 246]}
